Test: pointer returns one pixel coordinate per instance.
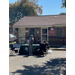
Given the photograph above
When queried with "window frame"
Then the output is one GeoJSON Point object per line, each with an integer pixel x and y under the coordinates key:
{"type": "Point", "coordinates": [62, 32]}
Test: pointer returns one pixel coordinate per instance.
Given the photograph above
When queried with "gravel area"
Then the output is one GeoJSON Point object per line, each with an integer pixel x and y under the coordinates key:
{"type": "Point", "coordinates": [50, 64]}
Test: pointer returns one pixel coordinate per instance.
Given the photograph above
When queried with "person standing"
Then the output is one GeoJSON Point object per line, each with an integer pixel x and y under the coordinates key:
{"type": "Point", "coordinates": [31, 39]}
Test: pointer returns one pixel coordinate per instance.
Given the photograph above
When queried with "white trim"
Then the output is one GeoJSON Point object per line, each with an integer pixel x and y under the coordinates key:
{"type": "Point", "coordinates": [33, 26]}
{"type": "Point", "coordinates": [59, 25]}
{"type": "Point", "coordinates": [45, 26]}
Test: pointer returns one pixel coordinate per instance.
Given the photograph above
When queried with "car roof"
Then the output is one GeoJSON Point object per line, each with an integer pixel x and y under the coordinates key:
{"type": "Point", "coordinates": [12, 34]}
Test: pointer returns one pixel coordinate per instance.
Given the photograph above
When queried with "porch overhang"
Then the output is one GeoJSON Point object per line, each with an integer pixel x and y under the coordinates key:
{"type": "Point", "coordinates": [34, 26]}
{"type": "Point", "coordinates": [31, 26]}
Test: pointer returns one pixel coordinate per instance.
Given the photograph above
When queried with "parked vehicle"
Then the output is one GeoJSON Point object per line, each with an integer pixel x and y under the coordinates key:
{"type": "Point", "coordinates": [12, 38]}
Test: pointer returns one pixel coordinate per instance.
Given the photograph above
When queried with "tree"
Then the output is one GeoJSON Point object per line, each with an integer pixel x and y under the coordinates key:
{"type": "Point", "coordinates": [63, 3]}
{"type": "Point", "coordinates": [62, 14]}
{"type": "Point", "coordinates": [23, 8]}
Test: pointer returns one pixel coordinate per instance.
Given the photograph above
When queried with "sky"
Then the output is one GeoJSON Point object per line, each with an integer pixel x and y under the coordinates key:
{"type": "Point", "coordinates": [50, 7]}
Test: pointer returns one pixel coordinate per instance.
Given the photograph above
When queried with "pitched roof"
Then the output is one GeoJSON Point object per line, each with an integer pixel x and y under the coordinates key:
{"type": "Point", "coordinates": [41, 20]}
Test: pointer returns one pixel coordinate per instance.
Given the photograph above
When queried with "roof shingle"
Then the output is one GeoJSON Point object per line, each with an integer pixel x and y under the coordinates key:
{"type": "Point", "coordinates": [41, 20]}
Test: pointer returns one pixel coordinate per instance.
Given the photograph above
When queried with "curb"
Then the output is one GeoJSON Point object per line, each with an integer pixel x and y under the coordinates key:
{"type": "Point", "coordinates": [59, 49]}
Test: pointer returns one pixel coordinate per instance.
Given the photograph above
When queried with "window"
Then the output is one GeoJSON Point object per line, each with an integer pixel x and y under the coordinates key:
{"type": "Point", "coordinates": [44, 31]}
{"type": "Point", "coordinates": [59, 32]}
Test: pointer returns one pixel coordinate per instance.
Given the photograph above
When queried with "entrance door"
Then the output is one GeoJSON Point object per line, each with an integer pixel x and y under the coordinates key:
{"type": "Point", "coordinates": [32, 32]}
{"type": "Point", "coordinates": [44, 34]}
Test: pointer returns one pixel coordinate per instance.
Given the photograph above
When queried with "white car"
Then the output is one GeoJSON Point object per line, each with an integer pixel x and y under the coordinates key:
{"type": "Point", "coordinates": [12, 38]}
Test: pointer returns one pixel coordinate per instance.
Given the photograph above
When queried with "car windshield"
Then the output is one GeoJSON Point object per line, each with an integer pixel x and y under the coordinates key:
{"type": "Point", "coordinates": [12, 35]}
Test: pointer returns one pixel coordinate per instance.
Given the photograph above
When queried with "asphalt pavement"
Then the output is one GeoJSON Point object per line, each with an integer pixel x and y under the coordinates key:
{"type": "Point", "coordinates": [53, 63]}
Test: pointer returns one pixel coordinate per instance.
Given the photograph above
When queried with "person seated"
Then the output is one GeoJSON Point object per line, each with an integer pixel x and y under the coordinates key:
{"type": "Point", "coordinates": [47, 44]}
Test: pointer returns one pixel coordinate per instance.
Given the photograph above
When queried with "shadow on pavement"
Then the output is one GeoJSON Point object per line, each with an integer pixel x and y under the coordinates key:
{"type": "Point", "coordinates": [26, 55]}
{"type": "Point", "coordinates": [51, 67]}
{"type": "Point", "coordinates": [37, 56]}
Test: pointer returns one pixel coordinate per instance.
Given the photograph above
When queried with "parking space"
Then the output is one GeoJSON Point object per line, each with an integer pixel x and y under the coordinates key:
{"type": "Point", "coordinates": [50, 64]}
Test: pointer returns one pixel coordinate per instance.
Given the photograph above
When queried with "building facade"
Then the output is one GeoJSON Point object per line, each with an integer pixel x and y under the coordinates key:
{"type": "Point", "coordinates": [49, 28]}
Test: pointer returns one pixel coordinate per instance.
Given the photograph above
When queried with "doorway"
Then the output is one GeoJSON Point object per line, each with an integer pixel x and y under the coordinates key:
{"type": "Point", "coordinates": [32, 32]}
{"type": "Point", "coordinates": [44, 34]}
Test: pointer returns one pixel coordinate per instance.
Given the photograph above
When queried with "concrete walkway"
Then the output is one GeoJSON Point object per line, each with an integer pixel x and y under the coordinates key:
{"type": "Point", "coordinates": [60, 48]}
{"type": "Point", "coordinates": [63, 46]}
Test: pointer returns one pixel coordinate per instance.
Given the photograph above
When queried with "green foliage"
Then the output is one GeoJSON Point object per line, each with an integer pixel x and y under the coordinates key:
{"type": "Point", "coordinates": [23, 8]}
{"type": "Point", "coordinates": [63, 3]}
{"type": "Point", "coordinates": [62, 14]}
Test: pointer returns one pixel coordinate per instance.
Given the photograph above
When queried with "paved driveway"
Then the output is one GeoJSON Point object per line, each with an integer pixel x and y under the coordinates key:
{"type": "Point", "coordinates": [50, 64]}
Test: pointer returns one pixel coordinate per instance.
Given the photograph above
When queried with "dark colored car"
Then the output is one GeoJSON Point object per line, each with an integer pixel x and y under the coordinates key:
{"type": "Point", "coordinates": [12, 38]}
